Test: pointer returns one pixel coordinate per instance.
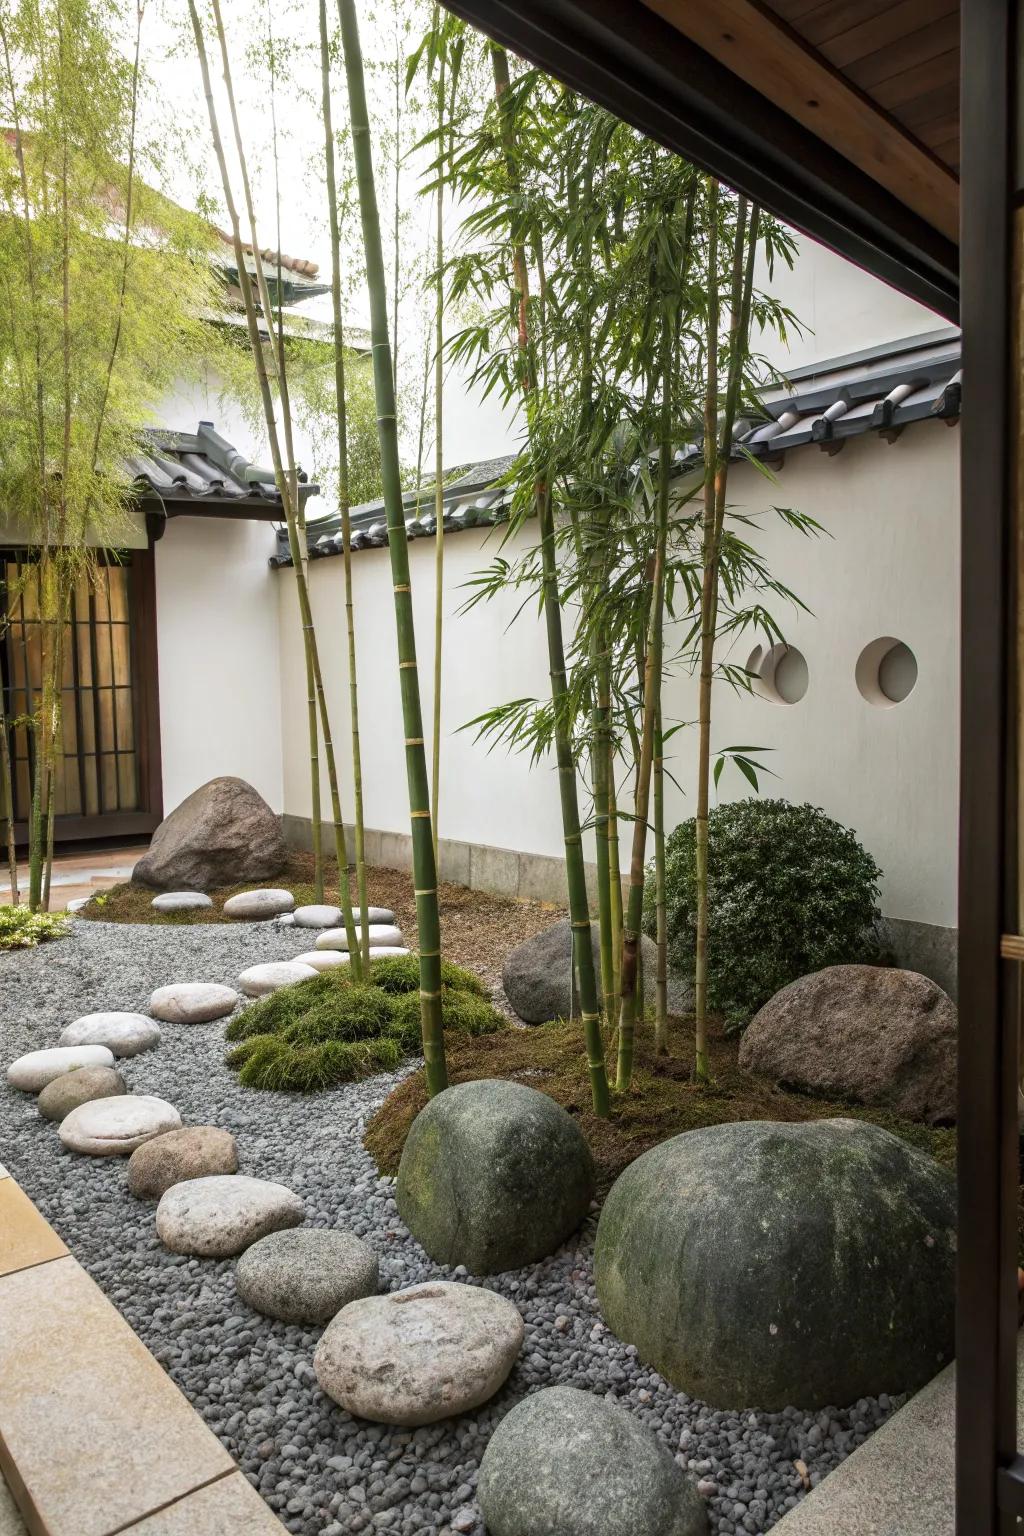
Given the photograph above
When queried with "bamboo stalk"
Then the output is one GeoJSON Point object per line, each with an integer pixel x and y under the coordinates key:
{"type": "Point", "coordinates": [344, 499]}
{"type": "Point", "coordinates": [716, 473]}
{"type": "Point", "coordinates": [435, 767]}
{"type": "Point", "coordinates": [424, 868]}
{"type": "Point", "coordinates": [579, 905]}
{"type": "Point", "coordinates": [660, 911]}
{"type": "Point", "coordinates": [7, 800]}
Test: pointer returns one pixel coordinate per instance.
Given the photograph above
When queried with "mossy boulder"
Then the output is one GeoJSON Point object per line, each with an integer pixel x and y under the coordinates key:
{"type": "Point", "coordinates": [765, 1265]}
{"type": "Point", "coordinates": [564, 1460]}
{"type": "Point", "coordinates": [537, 975]}
{"type": "Point", "coordinates": [494, 1175]}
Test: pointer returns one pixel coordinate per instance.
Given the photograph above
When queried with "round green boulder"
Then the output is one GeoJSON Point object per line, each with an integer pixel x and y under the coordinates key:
{"type": "Point", "coordinates": [494, 1175]}
{"type": "Point", "coordinates": [759, 1265]}
{"type": "Point", "coordinates": [566, 1461]}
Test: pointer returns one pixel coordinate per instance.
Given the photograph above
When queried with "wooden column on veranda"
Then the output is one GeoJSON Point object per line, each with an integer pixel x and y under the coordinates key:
{"type": "Point", "coordinates": [989, 1472]}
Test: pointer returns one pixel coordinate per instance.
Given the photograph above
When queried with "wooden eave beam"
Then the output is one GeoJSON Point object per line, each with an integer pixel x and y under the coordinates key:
{"type": "Point", "coordinates": [774, 61]}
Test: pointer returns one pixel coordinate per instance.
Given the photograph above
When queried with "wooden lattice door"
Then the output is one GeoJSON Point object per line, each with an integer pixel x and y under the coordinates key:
{"type": "Point", "coordinates": [104, 782]}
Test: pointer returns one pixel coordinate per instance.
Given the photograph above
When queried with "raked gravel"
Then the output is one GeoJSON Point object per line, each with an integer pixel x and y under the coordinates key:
{"type": "Point", "coordinates": [252, 1379]}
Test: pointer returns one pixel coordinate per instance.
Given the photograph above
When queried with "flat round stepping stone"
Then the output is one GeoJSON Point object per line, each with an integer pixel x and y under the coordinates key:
{"type": "Point", "coordinates": [375, 916]}
{"type": "Point", "coordinates": [380, 933]}
{"type": "Point", "coordinates": [65, 1093]}
{"type": "Point", "coordinates": [192, 1002]}
{"type": "Point", "coordinates": [78, 903]}
{"type": "Point", "coordinates": [259, 905]}
{"type": "Point", "coordinates": [420, 1355]}
{"type": "Point", "coordinates": [317, 917]}
{"type": "Point", "coordinates": [194, 1152]}
{"type": "Point", "coordinates": [33, 1071]}
{"type": "Point", "coordinates": [383, 951]}
{"type": "Point", "coordinates": [126, 1034]}
{"type": "Point", "coordinates": [217, 1217]}
{"type": "Point", "coordinates": [286, 920]}
{"type": "Point", "coordinates": [115, 1127]}
{"type": "Point", "coordinates": [323, 959]}
{"type": "Point", "coordinates": [258, 980]}
{"type": "Point", "coordinates": [306, 1276]}
{"type": "Point", "coordinates": [180, 901]}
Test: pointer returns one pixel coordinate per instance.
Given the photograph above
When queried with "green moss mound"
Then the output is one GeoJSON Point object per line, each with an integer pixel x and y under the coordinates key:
{"type": "Point", "coordinates": [401, 973]}
{"type": "Point", "coordinates": [330, 1030]}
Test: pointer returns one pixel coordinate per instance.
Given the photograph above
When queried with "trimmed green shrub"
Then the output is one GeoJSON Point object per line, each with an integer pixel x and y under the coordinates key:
{"type": "Point", "coordinates": [21, 928]}
{"type": "Point", "coordinates": [790, 891]}
{"type": "Point", "coordinates": [329, 1030]}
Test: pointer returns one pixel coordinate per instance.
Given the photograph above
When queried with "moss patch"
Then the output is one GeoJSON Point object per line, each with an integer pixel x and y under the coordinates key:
{"type": "Point", "coordinates": [662, 1101]}
{"type": "Point", "coordinates": [330, 1030]}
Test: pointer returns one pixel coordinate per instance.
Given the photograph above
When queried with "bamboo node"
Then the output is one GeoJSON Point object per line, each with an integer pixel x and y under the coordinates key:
{"type": "Point", "coordinates": [403, 664]}
{"type": "Point", "coordinates": [414, 741]}
{"type": "Point", "coordinates": [431, 892]}
{"type": "Point", "coordinates": [405, 587]}
{"type": "Point", "coordinates": [415, 814]}
{"type": "Point", "coordinates": [430, 995]}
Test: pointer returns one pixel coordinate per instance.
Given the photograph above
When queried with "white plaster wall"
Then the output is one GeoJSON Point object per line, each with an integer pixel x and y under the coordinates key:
{"type": "Point", "coordinates": [887, 568]}
{"type": "Point", "coordinates": [840, 308]}
{"type": "Point", "coordinates": [219, 656]}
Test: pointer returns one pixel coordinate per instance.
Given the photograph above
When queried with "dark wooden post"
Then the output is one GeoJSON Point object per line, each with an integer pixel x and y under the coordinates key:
{"type": "Point", "coordinates": [988, 895]}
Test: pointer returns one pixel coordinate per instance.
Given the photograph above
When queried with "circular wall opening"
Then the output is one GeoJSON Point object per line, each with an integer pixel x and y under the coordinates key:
{"type": "Point", "coordinates": [779, 673]}
{"type": "Point", "coordinates": [886, 672]}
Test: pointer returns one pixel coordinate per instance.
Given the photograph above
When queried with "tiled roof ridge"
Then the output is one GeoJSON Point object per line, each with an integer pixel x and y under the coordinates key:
{"type": "Point", "coordinates": [882, 392]}
{"type": "Point", "coordinates": [271, 258]}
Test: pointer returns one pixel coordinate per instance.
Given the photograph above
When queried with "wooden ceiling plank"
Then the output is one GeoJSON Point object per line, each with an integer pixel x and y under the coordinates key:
{"type": "Point", "coordinates": [893, 59]}
{"type": "Point", "coordinates": [901, 90]}
{"type": "Point", "coordinates": [907, 16]}
{"type": "Point", "coordinates": [827, 17]}
{"type": "Point", "coordinates": [769, 57]}
{"type": "Point", "coordinates": [942, 102]}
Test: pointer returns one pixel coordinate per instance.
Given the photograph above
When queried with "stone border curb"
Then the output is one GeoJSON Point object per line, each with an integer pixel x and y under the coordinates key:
{"type": "Point", "coordinates": [95, 1438]}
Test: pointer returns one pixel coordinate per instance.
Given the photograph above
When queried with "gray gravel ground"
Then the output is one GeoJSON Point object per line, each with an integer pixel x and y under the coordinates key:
{"type": "Point", "coordinates": [252, 1379]}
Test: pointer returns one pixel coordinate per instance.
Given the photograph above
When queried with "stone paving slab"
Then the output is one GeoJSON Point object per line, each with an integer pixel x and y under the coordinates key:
{"type": "Point", "coordinates": [93, 1434]}
{"type": "Point", "coordinates": [11, 1523]}
{"type": "Point", "coordinates": [228, 1507]}
{"type": "Point", "coordinates": [900, 1482]}
{"type": "Point", "coordinates": [25, 1238]}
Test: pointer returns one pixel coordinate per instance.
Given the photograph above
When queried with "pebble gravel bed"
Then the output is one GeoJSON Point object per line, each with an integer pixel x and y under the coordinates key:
{"type": "Point", "coordinates": [252, 1379]}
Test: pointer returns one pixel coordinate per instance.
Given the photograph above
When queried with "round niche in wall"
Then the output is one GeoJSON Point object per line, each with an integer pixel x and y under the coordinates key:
{"type": "Point", "coordinates": [886, 672]}
{"type": "Point", "coordinates": [778, 673]}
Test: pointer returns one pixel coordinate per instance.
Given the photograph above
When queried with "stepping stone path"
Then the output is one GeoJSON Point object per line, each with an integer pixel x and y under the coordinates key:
{"type": "Point", "coordinates": [380, 934]}
{"type": "Point", "coordinates": [259, 904]}
{"type": "Point", "coordinates": [115, 1127]}
{"type": "Point", "coordinates": [65, 1093]}
{"type": "Point", "coordinates": [419, 1355]}
{"type": "Point", "coordinates": [180, 901]}
{"type": "Point", "coordinates": [32, 1072]}
{"type": "Point", "coordinates": [258, 980]}
{"type": "Point", "coordinates": [217, 1217]}
{"type": "Point", "coordinates": [194, 1152]}
{"type": "Point", "coordinates": [126, 1034]}
{"type": "Point", "coordinates": [323, 959]}
{"type": "Point", "coordinates": [193, 1002]}
{"type": "Point", "coordinates": [306, 1276]}
{"type": "Point", "coordinates": [286, 920]}
{"type": "Point", "coordinates": [317, 917]}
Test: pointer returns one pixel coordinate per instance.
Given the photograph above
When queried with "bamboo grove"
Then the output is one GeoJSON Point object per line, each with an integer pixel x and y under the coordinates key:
{"type": "Point", "coordinates": [610, 294]}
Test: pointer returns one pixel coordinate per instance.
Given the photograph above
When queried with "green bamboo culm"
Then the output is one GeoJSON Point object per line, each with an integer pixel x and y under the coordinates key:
{"type": "Point", "coordinates": [344, 498]}
{"type": "Point", "coordinates": [435, 768]}
{"type": "Point", "coordinates": [575, 869]}
{"type": "Point", "coordinates": [424, 864]}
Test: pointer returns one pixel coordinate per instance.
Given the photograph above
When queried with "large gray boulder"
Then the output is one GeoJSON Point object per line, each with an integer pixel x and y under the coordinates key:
{"type": "Point", "coordinates": [494, 1175]}
{"type": "Point", "coordinates": [564, 1460]}
{"type": "Point", "coordinates": [224, 833]}
{"type": "Point", "coordinates": [537, 975]}
{"type": "Point", "coordinates": [766, 1265]}
{"type": "Point", "coordinates": [869, 1033]}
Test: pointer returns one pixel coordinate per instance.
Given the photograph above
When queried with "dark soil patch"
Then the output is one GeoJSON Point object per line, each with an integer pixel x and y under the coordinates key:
{"type": "Point", "coordinates": [663, 1101]}
{"type": "Point", "coordinates": [477, 929]}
